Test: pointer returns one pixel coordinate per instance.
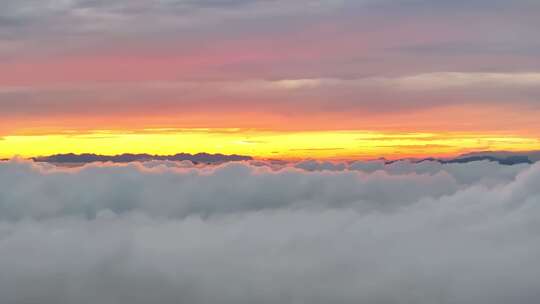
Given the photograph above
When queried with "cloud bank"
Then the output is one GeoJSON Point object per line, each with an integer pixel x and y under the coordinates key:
{"type": "Point", "coordinates": [359, 232]}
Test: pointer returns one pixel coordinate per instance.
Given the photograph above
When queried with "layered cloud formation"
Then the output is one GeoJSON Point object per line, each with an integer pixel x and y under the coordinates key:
{"type": "Point", "coordinates": [262, 232]}
{"type": "Point", "coordinates": [346, 64]}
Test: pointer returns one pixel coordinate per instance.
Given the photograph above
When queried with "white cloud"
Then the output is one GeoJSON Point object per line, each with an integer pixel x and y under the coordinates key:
{"type": "Point", "coordinates": [424, 81]}
{"type": "Point", "coordinates": [407, 233]}
{"type": "Point", "coordinates": [452, 80]}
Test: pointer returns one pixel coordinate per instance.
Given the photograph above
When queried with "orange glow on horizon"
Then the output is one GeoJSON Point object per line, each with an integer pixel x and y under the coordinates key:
{"type": "Point", "coordinates": [438, 132]}
{"type": "Point", "coordinates": [341, 144]}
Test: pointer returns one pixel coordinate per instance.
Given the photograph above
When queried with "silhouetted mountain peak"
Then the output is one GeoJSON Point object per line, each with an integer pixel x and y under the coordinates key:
{"type": "Point", "coordinates": [129, 157]}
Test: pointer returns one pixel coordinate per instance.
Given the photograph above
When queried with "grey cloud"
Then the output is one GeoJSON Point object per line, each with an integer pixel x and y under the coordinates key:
{"type": "Point", "coordinates": [313, 165]}
{"type": "Point", "coordinates": [76, 26]}
{"type": "Point", "coordinates": [367, 166]}
{"type": "Point", "coordinates": [180, 190]}
{"type": "Point", "coordinates": [452, 49]}
{"type": "Point", "coordinates": [393, 94]}
{"type": "Point", "coordinates": [458, 4]}
{"type": "Point", "coordinates": [476, 244]}
{"type": "Point", "coordinates": [31, 11]}
{"type": "Point", "coordinates": [179, 193]}
{"type": "Point", "coordinates": [484, 172]}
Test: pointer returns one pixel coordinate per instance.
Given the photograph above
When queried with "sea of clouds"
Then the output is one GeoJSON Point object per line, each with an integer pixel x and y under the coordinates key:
{"type": "Point", "coordinates": [270, 232]}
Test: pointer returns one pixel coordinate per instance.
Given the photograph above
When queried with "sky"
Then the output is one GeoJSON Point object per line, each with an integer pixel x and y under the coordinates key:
{"type": "Point", "coordinates": [269, 78]}
{"type": "Point", "coordinates": [316, 92]}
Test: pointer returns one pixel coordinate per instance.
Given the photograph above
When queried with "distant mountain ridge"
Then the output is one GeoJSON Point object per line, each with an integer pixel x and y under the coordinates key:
{"type": "Point", "coordinates": [533, 156]}
{"type": "Point", "coordinates": [128, 157]}
{"type": "Point", "coordinates": [510, 160]}
{"type": "Point", "coordinates": [501, 157]}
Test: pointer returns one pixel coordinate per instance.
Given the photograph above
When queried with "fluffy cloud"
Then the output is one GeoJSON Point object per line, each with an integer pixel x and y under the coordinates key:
{"type": "Point", "coordinates": [237, 233]}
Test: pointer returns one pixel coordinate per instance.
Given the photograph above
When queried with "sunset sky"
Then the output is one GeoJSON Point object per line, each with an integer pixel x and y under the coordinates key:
{"type": "Point", "coordinates": [385, 151]}
{"type": "Point", "coordinates": [269, 78]}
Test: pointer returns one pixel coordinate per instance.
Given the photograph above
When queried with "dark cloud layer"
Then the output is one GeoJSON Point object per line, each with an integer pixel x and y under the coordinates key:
{"type": "Point", "coordinates": [408, 233]}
